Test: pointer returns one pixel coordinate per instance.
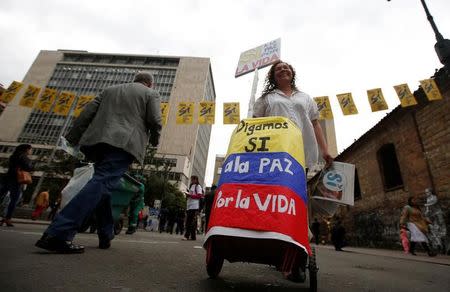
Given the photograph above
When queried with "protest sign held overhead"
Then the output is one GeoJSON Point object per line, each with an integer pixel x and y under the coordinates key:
{"type": "Point", "coordinates": [258, 57]}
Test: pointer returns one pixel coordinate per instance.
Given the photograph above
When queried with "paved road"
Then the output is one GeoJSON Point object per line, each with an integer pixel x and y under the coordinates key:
{"type": "Point", "coordinates": [149, 261]}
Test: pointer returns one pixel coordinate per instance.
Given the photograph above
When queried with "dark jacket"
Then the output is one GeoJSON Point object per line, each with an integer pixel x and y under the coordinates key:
{"type": "Point", "coordinates": [22, 162]}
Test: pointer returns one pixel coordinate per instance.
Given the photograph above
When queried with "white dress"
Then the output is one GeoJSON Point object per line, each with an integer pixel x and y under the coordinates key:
{"type": "Point", "coordinates": [301, 109]}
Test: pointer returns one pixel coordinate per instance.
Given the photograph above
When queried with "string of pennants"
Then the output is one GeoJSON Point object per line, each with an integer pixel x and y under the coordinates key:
{"type": "Point", "coordinates": [206, 109]}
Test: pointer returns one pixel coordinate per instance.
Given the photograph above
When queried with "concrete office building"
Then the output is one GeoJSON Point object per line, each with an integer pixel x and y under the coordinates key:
{"type": "Point", "coordinates": [84, 73]}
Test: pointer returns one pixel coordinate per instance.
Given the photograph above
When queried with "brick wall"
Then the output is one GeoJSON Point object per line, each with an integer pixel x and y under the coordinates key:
{"type": "Point", "coordinates": [421, 137]}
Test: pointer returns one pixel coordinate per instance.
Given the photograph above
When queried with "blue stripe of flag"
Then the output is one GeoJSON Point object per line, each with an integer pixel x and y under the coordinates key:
{"type": "Point", "coordinates": [280, 169]}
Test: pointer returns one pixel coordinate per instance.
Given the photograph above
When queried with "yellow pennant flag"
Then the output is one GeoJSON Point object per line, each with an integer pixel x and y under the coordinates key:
{"type": "Point", "coordinates": [206, 112]}
{"type": "Point", "coordinates": [185, 113]}
{"type": "Point", "coordinates": [323, 104]}
{"type": "Point", "coordinates": [46, 100]}
{"type": "Point", "coordinates": [11, 92]}
{"type": "Point", "coordinates": [405, 95]}
{"type": "Point", "coordinates": [83, 100]}
{"type": "Point", "coordinates": [164, 112]}
{"type": "Point", "coordinates": [376, 100]}
{"type": "Point", "coordinates": [231, 113]}
{"type": "Point", "coordinates": [347, 105]}
{"type": "Point", "coordinates": [64, 102]}
{"type": "Point", "coordinates": [431, 90]}
{"type": "Point", "coordinates": [30, 96]}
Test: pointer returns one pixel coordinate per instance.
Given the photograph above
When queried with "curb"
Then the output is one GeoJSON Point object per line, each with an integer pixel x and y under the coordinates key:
{"type": "Point", "coordinates": [29, 221]}
{"type": "Point", "coordinates": [439, 259]}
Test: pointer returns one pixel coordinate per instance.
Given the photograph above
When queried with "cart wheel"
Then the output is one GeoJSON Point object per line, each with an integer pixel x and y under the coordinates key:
{"type": "Point", "coordinates": [312, 267]}
{"type": "Point", "coordinates": [214, 262]}
{"type": "Point", "coordinates": [118, 225]}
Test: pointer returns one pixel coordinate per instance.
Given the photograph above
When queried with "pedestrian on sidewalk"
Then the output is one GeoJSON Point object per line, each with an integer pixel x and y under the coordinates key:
{"type": "Point", "coordinates": [404, 239]}
{"type": "Point", "coordinates": [412, 219]}
{"type": "Point", "coordinates": [192, 208]}
{"type": "Point", "coordinates": [338, 236]}
{"type": "Point", "coordinates": [42, 202]}
{"type": "Point", "coordinates": [112, 131]}
{"type": "Point", "coordinates": [19, 160]}
{"type": "Point", "coordinates": [315, 229]}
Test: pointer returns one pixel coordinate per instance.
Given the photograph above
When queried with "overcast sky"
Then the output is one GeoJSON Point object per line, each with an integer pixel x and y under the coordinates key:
{"type": "Point", "coordinates": [335, 46]}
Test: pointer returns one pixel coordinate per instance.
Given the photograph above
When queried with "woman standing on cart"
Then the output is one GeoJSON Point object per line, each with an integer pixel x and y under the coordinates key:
{"type": "Point", "coordinates": [281, 97]}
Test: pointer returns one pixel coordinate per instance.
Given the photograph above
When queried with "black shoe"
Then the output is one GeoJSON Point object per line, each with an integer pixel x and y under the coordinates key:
{"type": "Point", "coordinates": [131, 230]}
{"type": "Point", "coordinates": [297, 277]}
{"type": "Point", "coordinates": [54, 244]}
{"type": "Point", "coordinates": [104, 242]}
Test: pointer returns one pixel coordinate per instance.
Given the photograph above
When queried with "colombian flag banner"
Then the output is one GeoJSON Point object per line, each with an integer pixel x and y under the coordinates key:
{"type": "Point", "coordinates": [262, 188]}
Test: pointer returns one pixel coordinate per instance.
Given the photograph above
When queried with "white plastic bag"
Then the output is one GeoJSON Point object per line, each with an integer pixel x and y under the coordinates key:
{"type": "Point", "coordinates": [80, 178]}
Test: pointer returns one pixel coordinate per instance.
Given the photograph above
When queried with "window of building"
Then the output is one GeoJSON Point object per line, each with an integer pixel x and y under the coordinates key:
{"type": "Point", "coordinates": [389, 167]}
{"type": "Point", "coordinates": [357, 189]}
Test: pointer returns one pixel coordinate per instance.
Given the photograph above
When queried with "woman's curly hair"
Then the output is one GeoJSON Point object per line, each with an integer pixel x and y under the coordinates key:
{"type": "Point", "coordinates": [270, 85]}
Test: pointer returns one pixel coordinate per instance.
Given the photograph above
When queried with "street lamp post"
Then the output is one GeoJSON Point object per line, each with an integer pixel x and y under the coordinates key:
{"type": "Point", "coordinates": [442, 46]}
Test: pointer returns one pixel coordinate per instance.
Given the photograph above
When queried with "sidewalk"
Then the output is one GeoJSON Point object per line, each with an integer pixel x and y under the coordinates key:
{"type": "Point", "coordinates": [421, 257]}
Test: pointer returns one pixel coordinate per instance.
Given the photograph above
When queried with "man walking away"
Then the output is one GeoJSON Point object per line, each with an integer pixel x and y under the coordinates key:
{"type": "Point", "coordinates": [112, 131]}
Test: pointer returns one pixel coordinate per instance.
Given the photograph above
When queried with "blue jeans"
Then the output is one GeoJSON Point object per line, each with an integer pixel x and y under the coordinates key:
{"type": "Point", "coordinates": [15, 192]}
{"type": "Point", "coordinates": [110, 165]}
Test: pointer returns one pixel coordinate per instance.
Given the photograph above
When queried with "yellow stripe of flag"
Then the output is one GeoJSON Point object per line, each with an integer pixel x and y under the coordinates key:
{"type": "Point", "coordinates": [267, 134]}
